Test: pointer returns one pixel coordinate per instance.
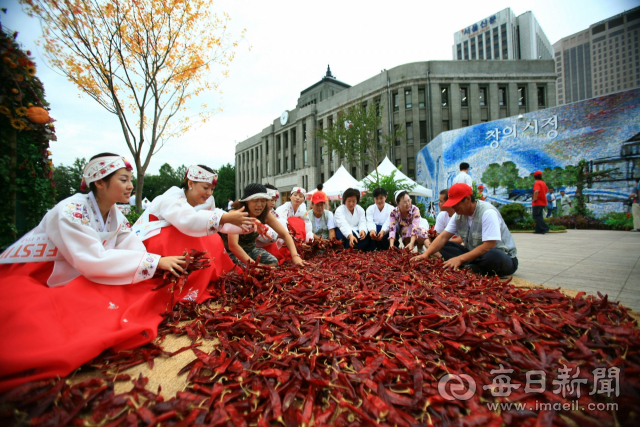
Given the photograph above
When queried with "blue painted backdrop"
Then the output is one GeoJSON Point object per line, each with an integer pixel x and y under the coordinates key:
{"type": "Point", "coordinates": [593, 129]}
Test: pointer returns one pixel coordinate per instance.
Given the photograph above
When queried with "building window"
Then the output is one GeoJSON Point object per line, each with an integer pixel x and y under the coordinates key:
{"type": "Point", "coordinates": [411, 167]}
{"type": "Point", "coordinates": [521, 97]}
{"type": "Point", "coordinates": [286, 164]}
{"type": "Point", "coordinates": [423, 132]}
{"type": "Point", "coordinates": [466, 49]}
{"type": "Point", "coordinates": [421, 103]}
{"type": "Point", "coordinates": [322, 177]}
{"type": "Point", "coordinates": [483, 96]}
{"type": "Point", "coordinates": [407, 99]}
{"type": "Point", "coordinates": [353, 171]}
{"type": "Point", "coordinates": [396, 128]}
{"type": "Point", "coordinates": [285, 138]}
{"type": "Point", "coordinates": [268, 170]}
{"type": "Point", "coordinates": [305, 157]}
{"type": "Point", "coordinates": [295, 162]}
{"type": "Point", "coordinates": [304, 131]}
{"type": "Point", "coordinates": [445, 125]}
{"type": "Point", "coordinates": [396, 104]}
{"type": "Point", "coordinates": [459, 51]}
{"type": "Point", "coordinates": [502, 96]}
{"type": "Point", "coordinates": [366, 170]}
{"type": "Point", "coordinates": [465, 123]}
{"type": "Point", "coordinates": [278, 143]}
{"type": "Point", "coordinates": [266, 146]}
{"type": "Point", "coordinates": [541, 97]}
{"type": "Point", "coordinates": [409, 132]}
{"type": "Point", "coordinates": [398, 163]}
{"type": "Point", "coordinates": [445, 97]}
{"type": "Point", "coordinates": [293, 137]}
{"type": "Point", "coordinates": [464, 101]}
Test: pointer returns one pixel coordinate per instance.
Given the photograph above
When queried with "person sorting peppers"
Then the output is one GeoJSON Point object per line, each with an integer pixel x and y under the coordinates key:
{"type": "Point", "coordinates": [489, 247]}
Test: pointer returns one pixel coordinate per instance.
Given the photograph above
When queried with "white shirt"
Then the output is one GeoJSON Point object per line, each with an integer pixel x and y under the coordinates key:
{"type": "Point", "coordinates": [132, 200]}
{"type": "Point", "coordinates": [285, 210]}
{"type": "Point", "coordinates": [348, 222]}
{"type": "Point", "coordinates": [553, 200]}
{"type": "Point", "coordinates": [490, 225]}
{"type": "Point", "coordinates": [463, 177]}
{"type": "Point", "coordinates": [84, 244]}
{"type": "Point", "coordinates": [171, 208]}
{"type": "Point", "coordinates": [376, 216]}
{"type": "Point", "coordinates": [441, 221]}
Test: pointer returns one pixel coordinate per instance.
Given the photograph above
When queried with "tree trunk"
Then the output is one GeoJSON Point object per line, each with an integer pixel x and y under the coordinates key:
{"type": "Point", "coordinates": [139, 186]}
{"type": "Point", "coordinates": [13, 165]}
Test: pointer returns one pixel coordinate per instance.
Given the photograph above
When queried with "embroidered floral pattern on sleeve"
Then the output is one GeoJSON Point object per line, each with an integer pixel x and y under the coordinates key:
{"type": "Point", "coordinates": [147, 267]}
{"type": "Point", "coordinates": [78, 213]}
{"type": "Point", "coordinates": [214, 221]}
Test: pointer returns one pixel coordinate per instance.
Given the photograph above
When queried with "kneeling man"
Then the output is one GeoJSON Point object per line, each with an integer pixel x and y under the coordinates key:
{"type": "Point", "coordinates": [488, 245]}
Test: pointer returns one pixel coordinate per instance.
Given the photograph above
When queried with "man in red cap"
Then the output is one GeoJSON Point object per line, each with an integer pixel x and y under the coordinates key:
{"type": "Point", "coordinates": [489, 247]}
{"type": "Point", "coordinates": [539, 203]}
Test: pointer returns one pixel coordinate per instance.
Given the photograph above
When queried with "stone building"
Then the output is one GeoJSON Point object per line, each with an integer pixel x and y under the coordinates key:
{"type": "Point", "coordinates": [502, 35]}
{"type": "Point", "coordinates": [423, 98]}
{"type": "Point", "coordinates": [600, 60]}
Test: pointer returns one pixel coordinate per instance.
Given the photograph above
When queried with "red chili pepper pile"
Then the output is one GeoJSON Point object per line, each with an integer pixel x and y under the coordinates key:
{"type": "Point", "coordinates": [363, 339]}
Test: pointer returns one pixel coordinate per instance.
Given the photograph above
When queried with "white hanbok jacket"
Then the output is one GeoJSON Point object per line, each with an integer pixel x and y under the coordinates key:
{"type": "Point", "coordinates": [286, 210]}
{"type": "Point", "coordinates": [348, 222]}
{"type": "Point", "coordinates": [172, 208]}
{"type": "Point", "coordinates": [376, 216]}
{"type": "Point", "coordinates": [76, 238]}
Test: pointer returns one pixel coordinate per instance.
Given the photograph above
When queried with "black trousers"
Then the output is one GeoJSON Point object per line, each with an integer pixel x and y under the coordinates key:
{"type": "Point", "coordinates": [538, 216]}
{"type": "Point", "coordinates": [494, 261]}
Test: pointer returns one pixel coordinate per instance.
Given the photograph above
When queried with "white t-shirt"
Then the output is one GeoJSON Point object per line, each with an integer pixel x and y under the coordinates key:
{"type": "Point", "coordinates": [331, 224]}
{"type": "Point", "coordinates": [441, 221]}
{"type": "Point", "coordinates": [463, 177]}
{"type": "Point", "coordinates": [490, 225]}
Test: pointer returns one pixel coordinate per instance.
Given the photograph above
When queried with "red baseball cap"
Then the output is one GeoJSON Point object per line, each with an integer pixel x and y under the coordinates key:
{"type": "Point", "coordinates": [537, 173]}
{"type": "Point", "coordinates": [457, 192]}
{"type": "Point", "coordinates": [318, 197]}
{"type": "Point", "coordinates": [480, 186]}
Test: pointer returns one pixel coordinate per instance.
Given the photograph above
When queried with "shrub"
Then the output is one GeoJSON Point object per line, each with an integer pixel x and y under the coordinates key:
{"type": "Point", "coordinates": [133, 215]}
{"type": "Point", "coordinates": [618, 221]}
{"type": "Point", "coordinates": [423, 209]}
{"type": "Point", "coordinates": [513, 214]}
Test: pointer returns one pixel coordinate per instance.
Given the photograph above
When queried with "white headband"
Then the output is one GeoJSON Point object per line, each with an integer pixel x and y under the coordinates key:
{"type": "Point", "coordinates": [298, 190]}
{"type": "Point", "coordinates": [198, 174]}
{"type": "Point", "coordinates": [101, 167]}
{"type": "Point", "coordinates": [257, 196]}
{"type": "Point", "coordinates": [395, 195]}
{"type": "Point", "coordinates": [273, 193]}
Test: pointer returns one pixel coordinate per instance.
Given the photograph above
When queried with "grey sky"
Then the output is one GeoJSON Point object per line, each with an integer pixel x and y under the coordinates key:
{"type": "Point", "coordinates": [291, 44]}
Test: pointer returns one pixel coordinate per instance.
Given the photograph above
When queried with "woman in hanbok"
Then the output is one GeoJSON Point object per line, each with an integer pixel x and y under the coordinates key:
{"type": "Point", "coordinates": [186, 218]}
{"type": "Point", "coordinates": [351, 222]}
{"type": "Point", "coordinates": [296, 209]}
{"type": "Point", "coordinates": [405, 220]}
{"type": "Point", "coordinates": [242, 248]}
{"type": "Point", "coordinates": [269, 240]}
{"type": "Point", "coordinates": [61, 305]}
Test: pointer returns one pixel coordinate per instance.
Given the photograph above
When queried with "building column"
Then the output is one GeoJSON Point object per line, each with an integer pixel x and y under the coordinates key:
{"type": "Point", "coordinates": [494, 107]}
{"type": "Point", "coordinates": [552, 95]}
{"type": "Point", "coordinates": [474, 104]}
{"type": "Point", "coordinates": [512, 100]}
{"type": "Point", "coordinates": [532, 97]}
{"type": "Point", "coordinates": [455, 106]}
{"type": "Point", "coordinates": [435, 110]}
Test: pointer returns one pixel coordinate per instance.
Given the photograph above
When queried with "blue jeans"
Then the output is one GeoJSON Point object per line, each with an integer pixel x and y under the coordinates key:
{"type": "Point", "coordinates": [362, 245]}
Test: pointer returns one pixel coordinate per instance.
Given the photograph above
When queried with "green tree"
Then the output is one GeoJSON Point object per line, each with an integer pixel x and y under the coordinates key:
{"type": "Point", "coordinates": [508, 175]}
{"type": "Point", "coordinates": [491, 176]}
{"type": "Point", "coordinates": [68, 179]}
{"type": "Point", "coordinates": [389, 183]}
{"type": "Point", "coordinates": [355, 135]}
{"type": "Point", "coordinates": [167, 177]}
{"type": "Point", "coordinates": [524, 182]}
{"type": "Point", "coordinates": [226, 185]}
{"type": "Point", "coordinates": [570, 176]}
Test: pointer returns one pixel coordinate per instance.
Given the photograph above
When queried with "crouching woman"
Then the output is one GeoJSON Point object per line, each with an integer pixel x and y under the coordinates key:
{"type": "Point", "coordinates": [242, 248]}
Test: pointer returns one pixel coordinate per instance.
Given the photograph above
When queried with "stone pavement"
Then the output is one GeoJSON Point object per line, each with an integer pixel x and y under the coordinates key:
{"type": "Point", "coordinates": [584, 260]}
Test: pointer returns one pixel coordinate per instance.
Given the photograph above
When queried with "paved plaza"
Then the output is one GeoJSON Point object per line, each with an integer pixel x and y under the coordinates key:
{"type": "Point", "coordinates": [584, 260]}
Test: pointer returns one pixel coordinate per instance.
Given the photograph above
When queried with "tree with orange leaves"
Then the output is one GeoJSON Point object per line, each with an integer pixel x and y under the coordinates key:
{"type": "Point", "coordinates": [142, 60]}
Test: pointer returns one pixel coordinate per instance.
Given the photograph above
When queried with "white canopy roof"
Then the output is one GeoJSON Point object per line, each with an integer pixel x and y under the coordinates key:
{"type": "Point", "coordinates": [337, 184]}
{"type": "Point", "coordinates": [387, 168]}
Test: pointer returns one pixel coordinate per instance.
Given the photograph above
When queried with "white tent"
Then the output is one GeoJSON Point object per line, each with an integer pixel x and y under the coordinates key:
{"type": "Point", "coordinates": [387, 168]}
{"type": "Point", "coordinates": [337, 184]}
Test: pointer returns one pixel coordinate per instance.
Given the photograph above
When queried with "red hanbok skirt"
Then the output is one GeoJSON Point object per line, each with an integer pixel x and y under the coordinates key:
{"type": "Point", "coordinates": [49, 332]}
{"type": "Point", "coordinates": [283, 254]}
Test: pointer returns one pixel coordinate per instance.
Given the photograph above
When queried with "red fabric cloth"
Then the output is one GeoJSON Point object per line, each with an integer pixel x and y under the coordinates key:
{"type": "Point", "coordinates": [542, 193]}
{"type": "Point", "coordinates": [49, 332]}
{"type": "Point", "coordinates": [283, 253]}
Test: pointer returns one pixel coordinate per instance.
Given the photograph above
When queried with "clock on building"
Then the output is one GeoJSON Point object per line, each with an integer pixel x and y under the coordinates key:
{"type": "Point", "coordinates": [284, 117]}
